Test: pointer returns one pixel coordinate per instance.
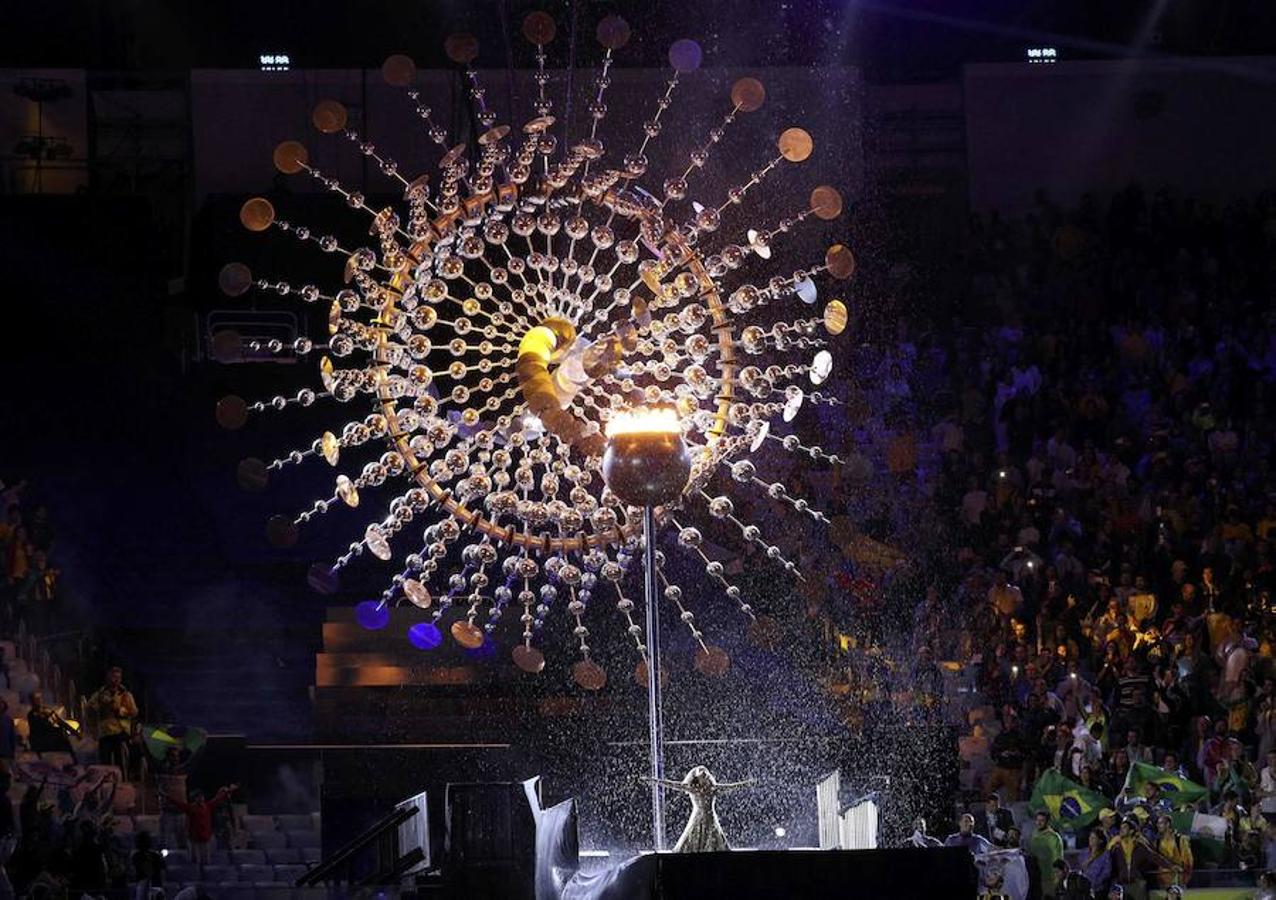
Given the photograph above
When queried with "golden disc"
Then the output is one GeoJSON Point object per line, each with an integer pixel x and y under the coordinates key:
{"type": "Point", "coordinates": [418, 184]}
{"type": "Point", "coordinates": [713, 662]}
{"type": "Point", "coordinates": [795, 144]}
{"type": "Point", "coordinates": [835, 317]}
{"type": "Point", "coordinates": [228, 346]}
{"type": "Point", "coordinates": [330, 447]}
{"type": "Point", "coordinates": [329, 116]}
{"type": "Point", "coordinates": [528, 658]}
{"type": "Point", "coordinates": [398, 70]}
{"type": "Point", "coordinates": [334, 317]}
{"type": "Point", "coordinates": [539, 125]}
{"type": "Point", "coordinates": [685, 55]}
{"type": "Point", "coordinates": [821, 367]}
{"type": "Point", "coordinates": [747, 94]}
{"type": "Point", "coordinates": [461, 48]}
{"type": "Point", "coordinates": [417, 593]}
{"type": "Point", "coordinates": [232, 412]}
{"type": "Point", "coordinates": [467, 634]}
{"type": "Point", "coordinates": [589, 675]}
{"type": "Point", "coordinates": [256, 214]}
{"type": "Point", "coordinates": [492, 135]}
{"type": "Point", "coordinates": [840, 261]}
{"type": "Point", "coordinates": [765, 632]}
{"type": "Point", "coordinates": [290, 157]}
{"type": "Point", "coordinates": [252, 474]}
{"type": "Point", "coordinates": [377, 543]}
{"type": "Point", "coordinates": [327, 373]}
{"type": "Point", "coordinates": [452, 156]}
{"type": "Point", "coordinates": [826, 202]}
{"type": "Point", "coordinates": [234, 279]}
{"type": "Point", "coordinates": [539, 28]}
{"type": "Point", "coordinates": [281, 532]}
{"type": "Point", "coordinates": [347, 492]}
{"type": "Point", "coordinates": [640, 675]}
{"type": "Point", "coordinates": [613, 33]}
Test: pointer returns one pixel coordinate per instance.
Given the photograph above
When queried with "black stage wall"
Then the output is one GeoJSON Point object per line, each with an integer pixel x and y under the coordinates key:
{"type": "Point", "coordinates": [914, 768]}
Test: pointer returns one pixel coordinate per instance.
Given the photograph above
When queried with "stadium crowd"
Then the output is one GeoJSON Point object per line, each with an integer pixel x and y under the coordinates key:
{"type": "Point", "coordinates": [67, 786]}
{"type": "Point", "coordinates": [1102, 460]}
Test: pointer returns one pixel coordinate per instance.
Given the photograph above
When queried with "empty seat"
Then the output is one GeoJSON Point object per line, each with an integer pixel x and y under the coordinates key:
{"type": "Point", "coordinates": [296, 822]}
{"type": "Point", "coordinates": [256, 824]}
{"type": "Point", "coordinates": [257, 874]}
{"type": "Point", "coordinates": [248, 857]}
{"type": "Point", "coordinates": [179, 873]}
{"type": "Point", "coordinates": [232, 890]}
{"type": "Point", "coordinates": [274, 892]}
{"type": "Point", "coordinates": [288, 856]}
{"type": "Point", "coordinates": [303, 839]}
{"type": "Point", "coordinates": [311, 854]}
{"type": "Point", "coordinates": [269, 840]}
{"type": "Point", "coordinates": [289, 874]}
{"type": "Point", "coordinates": [311, 893]}
{"type": "Point", "coordinates": [221, 873]}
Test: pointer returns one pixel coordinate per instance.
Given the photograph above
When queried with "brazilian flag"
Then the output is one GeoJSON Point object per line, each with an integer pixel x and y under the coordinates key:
{"type": "Point", "coordinates": [1174, 788]}
{"type": "Point", "coordinates": [1071, 806]}
{"type": "Point", "coordinates": [1208, 835]}
{"type": "Point", "coordinates": [159, 739]}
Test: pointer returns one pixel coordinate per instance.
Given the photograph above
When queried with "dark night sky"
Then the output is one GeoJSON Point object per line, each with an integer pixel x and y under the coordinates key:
{"type": "Point", "coordinates": [891, 39]}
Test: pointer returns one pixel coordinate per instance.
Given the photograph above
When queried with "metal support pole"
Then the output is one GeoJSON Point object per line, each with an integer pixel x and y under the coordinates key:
{"type": "Point", "coordinates": [655, 714]}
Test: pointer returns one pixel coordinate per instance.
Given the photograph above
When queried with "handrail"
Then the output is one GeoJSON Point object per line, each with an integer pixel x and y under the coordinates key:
{"type": "Point", "coordinates": [392, 820]}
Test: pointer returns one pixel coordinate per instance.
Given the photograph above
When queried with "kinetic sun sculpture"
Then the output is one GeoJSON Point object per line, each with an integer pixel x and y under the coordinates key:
{"type": "Point", "coordinates": [535, 291]}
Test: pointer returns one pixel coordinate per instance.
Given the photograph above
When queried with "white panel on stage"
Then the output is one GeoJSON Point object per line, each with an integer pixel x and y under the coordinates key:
{"type": "Point", "coordinates": [415, 832]}
{"type": "Point", "coordinates": [859, 826]}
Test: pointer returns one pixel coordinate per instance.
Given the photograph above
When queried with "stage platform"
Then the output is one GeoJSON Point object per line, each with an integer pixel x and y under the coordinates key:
{"type": "Point", "coordinates": [791, 874]}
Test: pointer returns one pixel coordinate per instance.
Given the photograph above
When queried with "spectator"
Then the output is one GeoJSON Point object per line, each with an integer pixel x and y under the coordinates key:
{"type": "Point", "coordinates": [994, 820]}
{"type": "Point", "coordinates": [88, 860]}
{"type": "Point", "coordinates": [116, 710]}
{"type": "Point", "coordinates": [1046, 846]}
{"type": "Point", "coordinates": [1132, 861]}
{"type": "Point", "coordinates": [48, 730]}
{"type": "Point", "coordinates": [8, 734]}
{"type": "Point", "coordinates": [920, 838]}
{"type": "Point", "coordinates": [1097, 862]}
{"type": "Point", "coordinates": [965, 836]}
{"type": "Point", "coordinates": [1176, 853]}
{"type": "Point", "coordinates": [1267, 788]}
{"type": "Point", "coordinates": [148, 868]}
{"type": "Point", "coordinates": [1008, 757]}
{"type": "Point", "coordinates": [199, 822]}
{"type": "Point", "coordinates": [171, 779]}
